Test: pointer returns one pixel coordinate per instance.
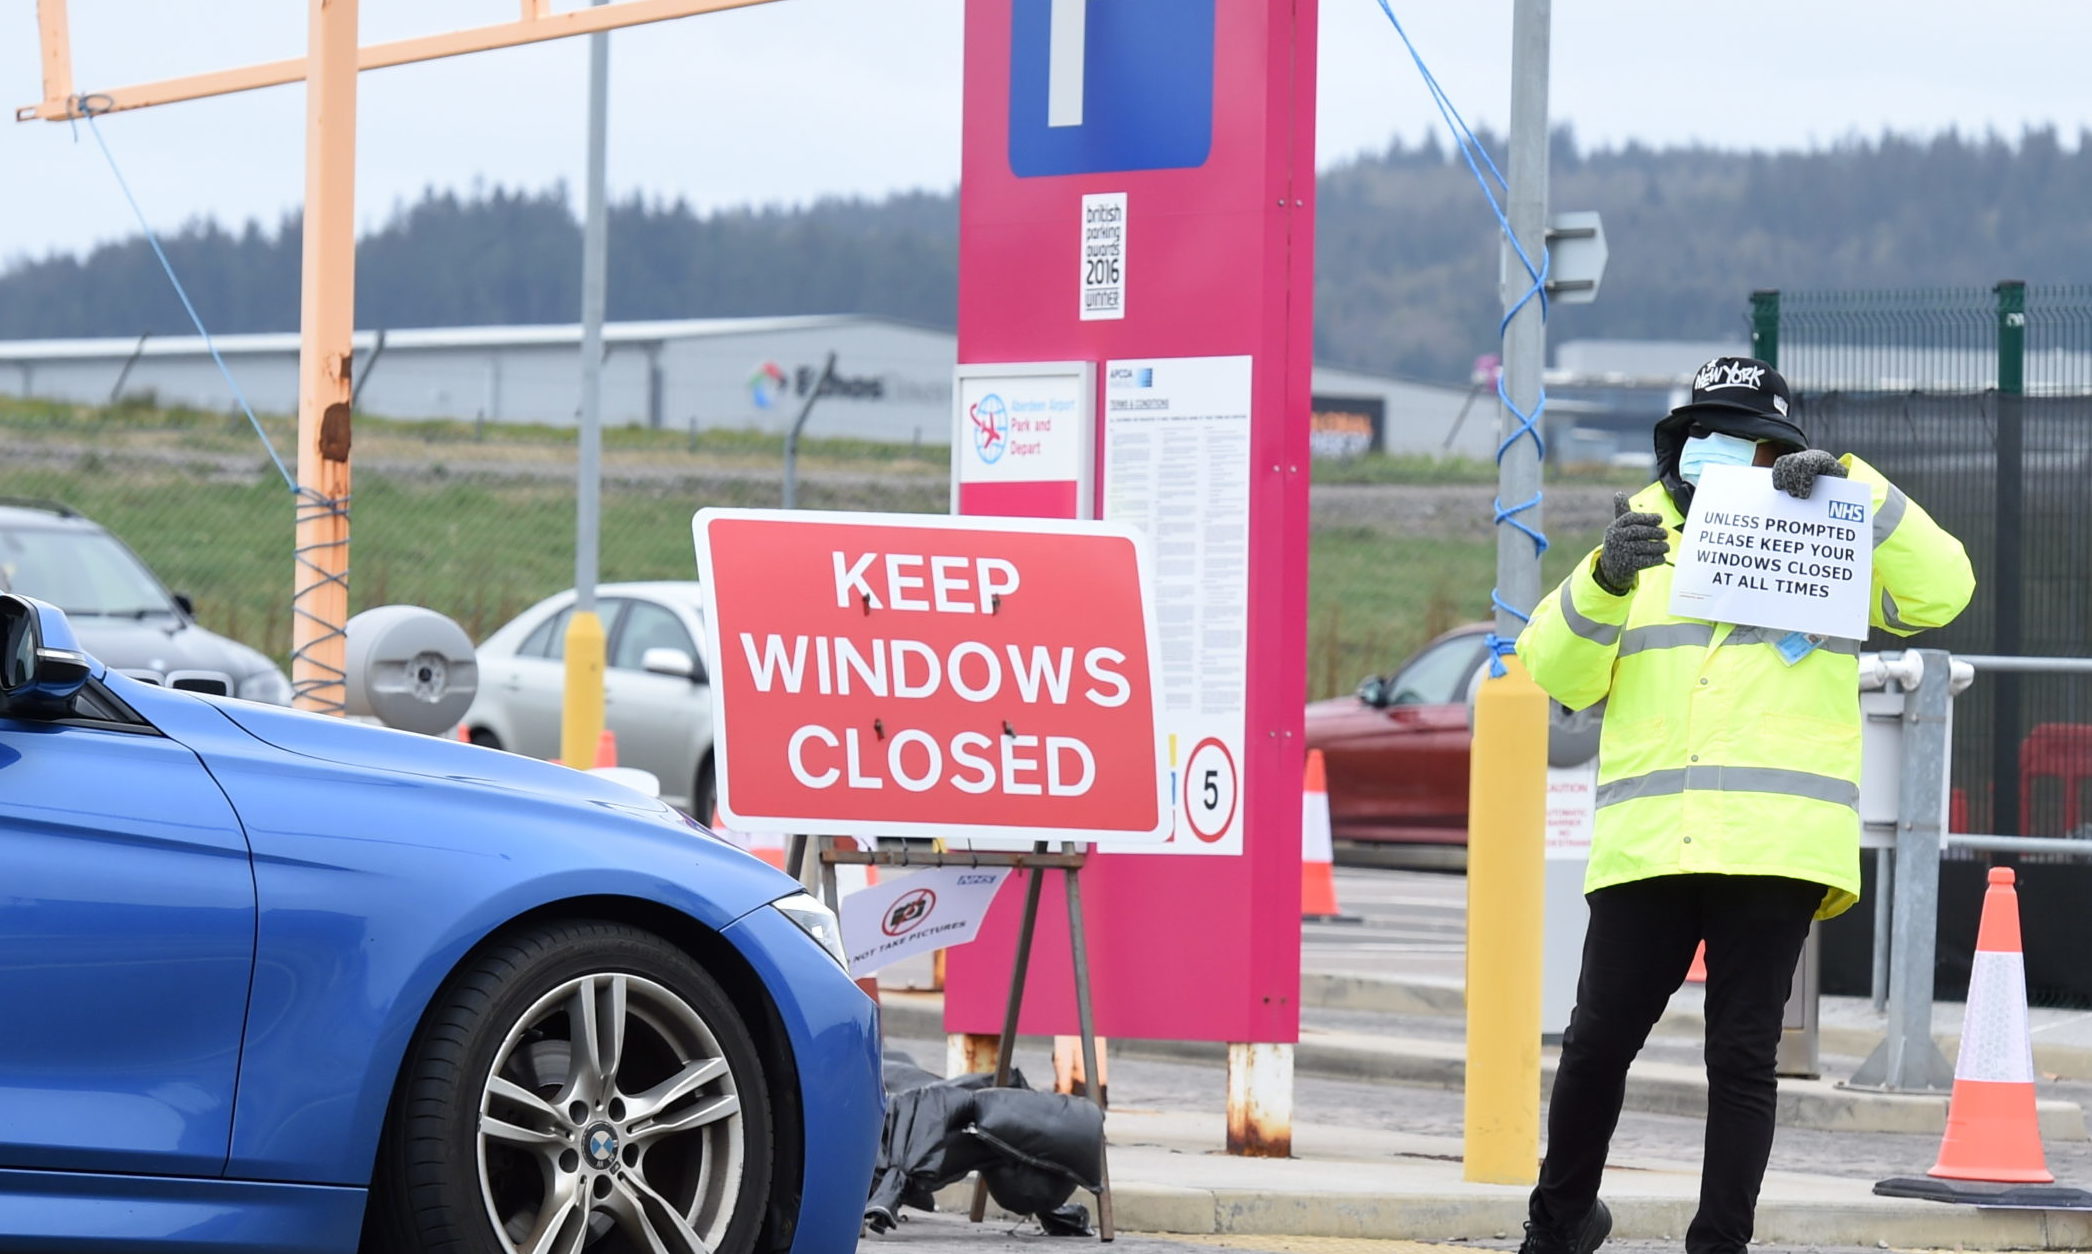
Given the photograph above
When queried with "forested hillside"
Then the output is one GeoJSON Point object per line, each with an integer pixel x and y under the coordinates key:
{"type": "Point", "coordinates": [1407, 262]}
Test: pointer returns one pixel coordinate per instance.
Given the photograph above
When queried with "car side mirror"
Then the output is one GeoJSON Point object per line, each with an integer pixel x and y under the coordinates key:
{"type": "Point", "coordinates": [676, 662]}
{"type": "Point", "coordinates": [1373, 691]}
{"type": "Point", "coordinates": [41, 665]}
{"type": "Point", "coordinates": [185, 605]}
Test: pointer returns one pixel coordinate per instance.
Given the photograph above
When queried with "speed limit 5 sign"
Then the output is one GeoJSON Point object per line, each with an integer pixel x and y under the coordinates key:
{"type": "Point", "coordinates": [1211, 789]}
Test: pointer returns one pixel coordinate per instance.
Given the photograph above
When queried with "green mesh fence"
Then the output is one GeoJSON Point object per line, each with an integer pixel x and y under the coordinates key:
{"type": "Point", "coordinates": [1978, 402]}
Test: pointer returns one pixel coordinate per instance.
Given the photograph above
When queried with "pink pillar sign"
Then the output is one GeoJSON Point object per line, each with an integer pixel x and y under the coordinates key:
{"type": "Point", "coordinates": [1138, 200]}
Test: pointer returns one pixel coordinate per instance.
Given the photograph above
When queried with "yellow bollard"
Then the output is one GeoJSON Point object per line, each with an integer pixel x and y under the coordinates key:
{"type": "Point", "coordinates": [581, 714]}
{"type": "Point", "coordinates": [1506, 851]}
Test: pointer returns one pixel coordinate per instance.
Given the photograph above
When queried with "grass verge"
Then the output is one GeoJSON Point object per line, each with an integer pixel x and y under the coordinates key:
{"type": "Point", "coordinates": [190, 491]}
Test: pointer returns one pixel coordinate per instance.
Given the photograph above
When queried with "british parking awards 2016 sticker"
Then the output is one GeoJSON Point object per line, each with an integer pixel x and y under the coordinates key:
{"type": "Point", "coordinates": [1103, 284]}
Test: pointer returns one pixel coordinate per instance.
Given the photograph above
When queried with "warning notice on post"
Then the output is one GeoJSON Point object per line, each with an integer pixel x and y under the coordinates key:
{"type": "Point", "coordinates": [1756, 557]}
{"type": "Point", "coordinates": [1572, 807]}
{"type": "Point", "coordinates": [915, 913]}
{"type": "Point", "coordinates": [1103, 256]}
{"type": "Point", "coordinates": [902, 675]}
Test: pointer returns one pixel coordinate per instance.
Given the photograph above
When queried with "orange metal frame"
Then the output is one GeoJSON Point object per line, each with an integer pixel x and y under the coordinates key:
{"type": "Point", "coordinates": [535, 25]}
{"type": "Point", "coordinates": [320, 578]}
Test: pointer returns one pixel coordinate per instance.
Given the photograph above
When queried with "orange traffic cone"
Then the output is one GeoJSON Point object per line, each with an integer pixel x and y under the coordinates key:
{"type": "Point", "coordinates": [1993, 1132]}
{"type": "Point", "coordinates": [1318, 883]}
{"type": "Point", "coordinates": [770, 849]}
{"type": "Point", "coordinates": [464, 733]}
{"type": "Point", "coordinates": [1697, 973]}
{"type": "Point", "coordinates": [606, 748]}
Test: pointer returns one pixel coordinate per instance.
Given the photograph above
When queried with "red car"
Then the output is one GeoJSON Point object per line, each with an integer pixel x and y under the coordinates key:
{"type": "Point", "coordinates": [1396, 751]}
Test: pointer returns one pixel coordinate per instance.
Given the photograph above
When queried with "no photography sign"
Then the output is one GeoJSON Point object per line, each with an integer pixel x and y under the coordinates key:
{"type": "Point", "coordinates": [964, 678]}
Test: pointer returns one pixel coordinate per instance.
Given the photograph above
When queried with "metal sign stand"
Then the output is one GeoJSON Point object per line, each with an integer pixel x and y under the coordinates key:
{"type": "Point", "coordinates": [1070, 861]}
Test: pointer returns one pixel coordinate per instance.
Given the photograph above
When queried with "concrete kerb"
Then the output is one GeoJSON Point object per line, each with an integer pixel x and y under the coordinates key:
{"type": "Point", "coordinates": [1387, 1185]}
{"type": "Point", "coordinates": [1652, 1088]}
{"type": "Point", "coordinates": [1323, 991]}
{"type": "Point", "coordinates": [1447, 998]}
{"type": "Point", "coordinates": [1464, 1213]}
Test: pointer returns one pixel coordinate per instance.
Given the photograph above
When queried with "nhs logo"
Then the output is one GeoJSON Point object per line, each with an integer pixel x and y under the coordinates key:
{"type": "Point", "coordinates": [1100, 86]}
{"type": "Point", "coordinates": [1847, 511]}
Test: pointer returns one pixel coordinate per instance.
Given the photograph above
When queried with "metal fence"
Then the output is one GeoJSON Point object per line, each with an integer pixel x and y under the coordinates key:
{"type": "Point", "coordinates": [1978, 402]}
{"type": "Point", "coordinates": [475, 518]}
{"type": "Point", "coordinates": [476, 521]}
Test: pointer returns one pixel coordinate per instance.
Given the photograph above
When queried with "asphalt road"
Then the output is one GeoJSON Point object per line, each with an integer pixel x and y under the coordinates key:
{"type": "Point", "coordinates": [1409, 922]}
{"type": "Point", "coordinates": [1413, 923]}
{"type": "Point", "coordinates": [951, 1234]}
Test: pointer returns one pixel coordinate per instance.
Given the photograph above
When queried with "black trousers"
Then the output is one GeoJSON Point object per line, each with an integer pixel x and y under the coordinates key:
{"type": "Point", "coordinates": [1636, 953]}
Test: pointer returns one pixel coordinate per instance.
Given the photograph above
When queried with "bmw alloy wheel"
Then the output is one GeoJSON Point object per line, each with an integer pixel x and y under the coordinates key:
{"type": "Point", "coordinates": [579, 1085]}
{"type": "Point", "coordinates": [611, 1105]}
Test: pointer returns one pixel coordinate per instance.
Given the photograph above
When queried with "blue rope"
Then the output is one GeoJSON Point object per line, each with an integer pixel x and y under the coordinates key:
{"type": "Point", "coordinates": [85, 107]}
{"type": "Point", "coordinates": [1528, 423]}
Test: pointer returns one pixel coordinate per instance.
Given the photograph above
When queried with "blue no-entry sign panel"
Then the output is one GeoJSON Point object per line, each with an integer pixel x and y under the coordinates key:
{"type": "Point", "coordinates": [1098, 86]}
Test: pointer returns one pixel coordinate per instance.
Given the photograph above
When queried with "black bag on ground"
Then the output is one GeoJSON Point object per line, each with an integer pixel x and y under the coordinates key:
{"type": "Point", "coordinates": [1033, 1149]}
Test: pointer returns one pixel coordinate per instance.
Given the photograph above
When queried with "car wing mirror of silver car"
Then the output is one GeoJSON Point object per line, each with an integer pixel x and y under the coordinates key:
{"type": "Point", "coordinates": [670, 661]}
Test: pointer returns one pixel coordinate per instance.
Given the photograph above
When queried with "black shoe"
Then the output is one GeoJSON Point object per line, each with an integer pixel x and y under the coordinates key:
{"type": "Point", "coordinates": [1596, 1227]}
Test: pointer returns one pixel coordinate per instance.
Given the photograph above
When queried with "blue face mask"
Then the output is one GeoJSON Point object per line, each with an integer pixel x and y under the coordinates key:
{"type": "Point", "coordinates": [1714, 449]}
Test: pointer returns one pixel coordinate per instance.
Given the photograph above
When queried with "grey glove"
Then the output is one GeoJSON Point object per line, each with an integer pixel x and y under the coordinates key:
{"type": "Point", "coordinates": [1633, 543]}
{"type": "Point", "coordinates": [1795, 473]}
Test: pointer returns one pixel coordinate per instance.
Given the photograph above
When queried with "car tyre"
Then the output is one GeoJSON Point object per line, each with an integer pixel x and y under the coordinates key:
{"type": "Point", "coordinates": [574, 1079]}
{"type": "Point", "coordinates": [485, 739]}
{"type": "Point", "coordinates": [704, 794]}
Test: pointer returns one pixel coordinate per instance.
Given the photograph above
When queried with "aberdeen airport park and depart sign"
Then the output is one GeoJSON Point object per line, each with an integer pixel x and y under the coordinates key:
{"type": "Point", "coordinates": [883, 675]}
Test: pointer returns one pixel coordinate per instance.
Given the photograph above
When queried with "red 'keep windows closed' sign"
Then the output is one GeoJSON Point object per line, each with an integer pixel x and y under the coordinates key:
{"type": "Point", "coordinates": [883, 675]}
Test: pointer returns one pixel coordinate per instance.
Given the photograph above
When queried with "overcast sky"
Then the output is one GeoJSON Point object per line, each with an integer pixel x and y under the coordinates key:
{"type": "Point", "coordinates": [800, 98]}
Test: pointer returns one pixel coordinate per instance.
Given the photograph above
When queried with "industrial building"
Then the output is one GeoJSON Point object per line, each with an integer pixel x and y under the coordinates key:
{"type": "Point", "coordinates": [892, 381]}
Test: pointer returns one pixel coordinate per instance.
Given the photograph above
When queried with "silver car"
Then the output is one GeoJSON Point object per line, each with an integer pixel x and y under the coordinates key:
{"type": "Point", "coordinates": [121, 611]}
{"type": "Point", "coordinates": [655, 686]}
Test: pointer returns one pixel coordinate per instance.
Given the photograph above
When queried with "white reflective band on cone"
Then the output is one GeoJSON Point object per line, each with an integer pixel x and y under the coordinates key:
{"type": "Point", "coordinates": [1996, 1045]}
{"type": "Point", "coordinates": [1315, 843]}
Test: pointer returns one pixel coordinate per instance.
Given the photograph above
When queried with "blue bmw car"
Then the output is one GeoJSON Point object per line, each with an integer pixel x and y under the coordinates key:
{"type": "Point", "coordinates": [274, 981]}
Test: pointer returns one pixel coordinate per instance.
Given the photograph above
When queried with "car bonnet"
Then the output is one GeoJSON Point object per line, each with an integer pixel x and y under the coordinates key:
{"type": "Point", "coordinates": [380, 748]}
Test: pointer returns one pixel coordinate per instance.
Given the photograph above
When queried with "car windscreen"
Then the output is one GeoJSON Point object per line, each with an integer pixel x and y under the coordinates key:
{"type": "Point", "coordinates": [1439, 675]}
{"type": "Point", "coordinates": [80, 572]}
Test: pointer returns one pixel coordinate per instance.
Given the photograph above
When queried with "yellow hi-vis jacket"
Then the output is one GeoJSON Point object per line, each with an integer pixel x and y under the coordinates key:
{"type": "Point", "coordinates": [1717, 756]}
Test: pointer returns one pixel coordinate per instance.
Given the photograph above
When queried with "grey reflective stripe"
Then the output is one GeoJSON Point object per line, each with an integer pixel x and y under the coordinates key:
{"type": "Point", "coordinates": [1889, 515]}
{"type": "Point", "coordinates": [1889, 616]}
{"type": "Point", "coordinates": [1666, 636]}
{"type": "Point", "coordinates": [1767, 635]}
{"type": "Point", "coordinates": [1761, 779]}
{"type": "Point", "coordinates": [1588, 628]}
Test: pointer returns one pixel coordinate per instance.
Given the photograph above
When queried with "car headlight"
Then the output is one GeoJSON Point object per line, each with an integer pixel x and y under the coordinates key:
{"type": "Point", "coordinates": [817, 921]}
{"type": "Point", "coordinates": [269, 687]}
